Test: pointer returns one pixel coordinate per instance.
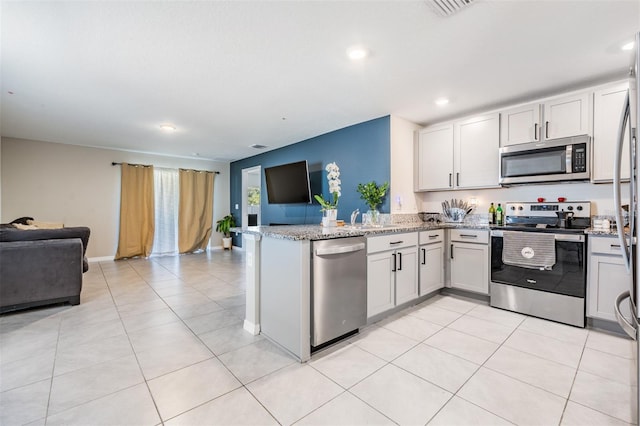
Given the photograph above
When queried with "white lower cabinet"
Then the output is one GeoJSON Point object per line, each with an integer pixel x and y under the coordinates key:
{"type": "Point", "coordinates": [469, 260]}
{"type": "Point", "coordinates": [392, 271]}
{"type": "Point", "coordinates": [608, 277]}
{"type": "Point", "coordinates": [431, 261]}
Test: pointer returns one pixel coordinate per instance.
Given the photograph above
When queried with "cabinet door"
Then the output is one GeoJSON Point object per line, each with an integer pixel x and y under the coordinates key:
{"type": "Point", "coordinates": [520, 125]}
{"type": "Point", "coordinates": [431, 268]}
{"type": "Point", "coordinates": [406, 275]}
{"type": "Point", "coordinates": [470, 267]}
{"type": "Point", "coordinates": [608, 278]}
{"type": "Point", "coordinates": [476, 152]}
{"type": "Point", "coordinates": [380, 280]}
{"type": "Point", "coordinates": [565, 117]}
{"type": "Point", "coordinates": [435, 158]}
{"type": "Point", "coordinates": [607, 108]}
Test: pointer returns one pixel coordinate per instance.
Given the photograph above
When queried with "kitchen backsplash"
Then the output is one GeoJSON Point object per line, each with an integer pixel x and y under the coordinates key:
{"type": "Point", "coordinates": [600, 196]}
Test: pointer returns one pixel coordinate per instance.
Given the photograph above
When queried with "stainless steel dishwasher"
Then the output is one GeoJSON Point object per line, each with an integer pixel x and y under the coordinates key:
{"type": "Point", "coordinates": [338, 288]}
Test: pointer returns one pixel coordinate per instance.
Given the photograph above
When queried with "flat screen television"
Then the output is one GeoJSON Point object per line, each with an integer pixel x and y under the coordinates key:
{"type": "Point", "coordinates": [288, 183]}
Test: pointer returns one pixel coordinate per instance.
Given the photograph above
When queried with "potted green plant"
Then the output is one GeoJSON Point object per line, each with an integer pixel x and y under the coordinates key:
{"type": "Point", "coordinates": [373, 194]}
{"type": "Point", "coordinates": [224, 226]}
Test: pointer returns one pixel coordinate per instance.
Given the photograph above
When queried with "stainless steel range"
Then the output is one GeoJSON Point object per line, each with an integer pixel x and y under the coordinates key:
{"type": "Point", "coordinates": [538, 260]}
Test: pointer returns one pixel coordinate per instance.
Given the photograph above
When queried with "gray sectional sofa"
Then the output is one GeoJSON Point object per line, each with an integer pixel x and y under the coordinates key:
{"type": "Point", "coordinates": [41, 266]}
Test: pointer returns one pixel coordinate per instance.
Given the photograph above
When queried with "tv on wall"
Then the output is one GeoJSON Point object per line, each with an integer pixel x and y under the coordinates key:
{"type": "Point", "coordinates": [288, 183]}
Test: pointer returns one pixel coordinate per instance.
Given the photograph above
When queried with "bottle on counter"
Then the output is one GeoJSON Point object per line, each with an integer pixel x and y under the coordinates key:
{"type": "Point", "coordinates": [492, 215]}
{"type": "Point", "coordinates": [499, 215]}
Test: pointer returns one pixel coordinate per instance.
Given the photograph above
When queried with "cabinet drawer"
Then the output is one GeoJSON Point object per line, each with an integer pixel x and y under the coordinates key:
{"type": "Point", "coordinates": [391, 242]}
{"type": "Point", "coordinates": [479, 236]}
{"type": "Point", "coordinates": [434, 236]}
{"type": "Point", "coordinates": [605, 245]}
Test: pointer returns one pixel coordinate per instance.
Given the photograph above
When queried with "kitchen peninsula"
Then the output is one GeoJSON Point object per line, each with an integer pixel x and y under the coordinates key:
{"type": "Point", "coordinates": [279, 274]}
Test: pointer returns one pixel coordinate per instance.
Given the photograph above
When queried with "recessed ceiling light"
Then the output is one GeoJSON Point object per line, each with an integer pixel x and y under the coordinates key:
{"type": "Point", "coordinates": [167, 127]}
{"type": "Point", "coordinates": [628, 46]}
{"type": "Point", "coordinates": [442, 101]}
{"type": "Point", "coordinates": [357, 53]}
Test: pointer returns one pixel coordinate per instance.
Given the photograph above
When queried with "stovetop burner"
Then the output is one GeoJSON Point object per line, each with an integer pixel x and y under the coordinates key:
{"type": "Point", "coordinates": [545, 217]}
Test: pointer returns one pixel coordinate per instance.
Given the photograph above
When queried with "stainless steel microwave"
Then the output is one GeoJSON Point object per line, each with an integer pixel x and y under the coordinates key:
{"type": "Point", "coordinates": [547, 161]}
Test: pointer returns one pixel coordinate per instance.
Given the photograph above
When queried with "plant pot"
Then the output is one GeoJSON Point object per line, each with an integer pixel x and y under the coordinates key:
{"type": "Point", "coordinates": [330, 218]}
{"type": "Point", "coordinates": [227, 243]}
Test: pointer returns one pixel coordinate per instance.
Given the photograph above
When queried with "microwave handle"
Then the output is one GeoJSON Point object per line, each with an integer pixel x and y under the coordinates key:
{"type": "Point", "coordinates": [617, 187]}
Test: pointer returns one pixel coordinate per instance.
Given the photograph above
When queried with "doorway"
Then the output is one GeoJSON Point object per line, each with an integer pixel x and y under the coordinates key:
{"type": "Point", "coordinates": [251, 184]}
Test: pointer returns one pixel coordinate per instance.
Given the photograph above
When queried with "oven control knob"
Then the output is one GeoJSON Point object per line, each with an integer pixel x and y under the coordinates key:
{"type": "Point", "coordinates": [570, 208]}
{"type": "Point", "coordinates": [513, 207]}
{"type": "Point", "coordinates": [579, 208]}
{"type": "Point", "coordinates": [520, 208]}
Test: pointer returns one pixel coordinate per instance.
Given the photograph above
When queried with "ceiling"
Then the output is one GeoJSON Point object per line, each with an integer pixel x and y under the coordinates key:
{"type": "Point", "coordinates": [229, 74]}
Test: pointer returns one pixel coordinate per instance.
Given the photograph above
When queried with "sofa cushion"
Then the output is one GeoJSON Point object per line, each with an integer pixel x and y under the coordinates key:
{"type": "Point", "coordinates": [15, 234]}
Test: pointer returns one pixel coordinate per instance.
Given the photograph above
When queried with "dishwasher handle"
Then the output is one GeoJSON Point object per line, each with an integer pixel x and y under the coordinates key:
{"type": "Point", "coordinates": [339, 249]}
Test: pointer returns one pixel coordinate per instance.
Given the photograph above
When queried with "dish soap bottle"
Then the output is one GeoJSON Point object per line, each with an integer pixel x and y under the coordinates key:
{"type": "Point", "coordinates": [492, 214]}
{"type": "Point", "coordinates": [499, 215]}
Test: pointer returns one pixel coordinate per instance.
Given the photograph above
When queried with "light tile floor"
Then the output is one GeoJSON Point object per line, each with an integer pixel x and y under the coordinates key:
{"type": "Point", "coordinates": [160, 341]}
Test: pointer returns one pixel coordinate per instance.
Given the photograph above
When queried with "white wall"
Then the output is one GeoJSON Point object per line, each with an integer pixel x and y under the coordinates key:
{"type": "Point", "coordinates": [78, 186]}
{"type": "Point", "coordinates": [402, 198]}
{"type": "Point", "coordinates": [601, 196]}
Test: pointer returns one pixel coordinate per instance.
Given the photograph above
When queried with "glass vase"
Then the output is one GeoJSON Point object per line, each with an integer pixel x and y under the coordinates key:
{"type": "Point", "coordinates": [374, 217]}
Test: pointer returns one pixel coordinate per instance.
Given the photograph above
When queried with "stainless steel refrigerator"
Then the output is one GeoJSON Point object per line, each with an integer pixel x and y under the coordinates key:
{"type": "Point", "coordinates": [629, 123]}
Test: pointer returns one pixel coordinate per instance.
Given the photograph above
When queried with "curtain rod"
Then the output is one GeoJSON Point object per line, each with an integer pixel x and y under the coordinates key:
{"type": "Point", "coordinates": [113, 163]}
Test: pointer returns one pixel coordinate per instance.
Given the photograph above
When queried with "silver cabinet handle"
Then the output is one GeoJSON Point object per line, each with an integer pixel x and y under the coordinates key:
{"type": "Point", "coordinates": [452, 251]}
{"type": "Point", "coordinates": [396, 242]}
{"type": "Point", "coordinates": [450, 179]}
{"type": "Point", "coordinates": [400, 261]}
{"type": "Point", "coordinates": [458, 179]}
{"type": "Point", "coordinates": [546, 130]}
{"type": "Point", "coordinates": [629, 328]}
{"type": "Point", "coordinates": [615, 245]}
{"type": "Point", "coordinates": [433, 236]}
{"type": "Point", "coordinates": [468, 236]}
{"type": "Point", "coordinates": [424, 256]}
{"type": "Point", "coordinates": [339, 249]}
{"type": "Point", "coordinates": [394, 262]}
{"type": "Point", "coordinates": [535, 131]}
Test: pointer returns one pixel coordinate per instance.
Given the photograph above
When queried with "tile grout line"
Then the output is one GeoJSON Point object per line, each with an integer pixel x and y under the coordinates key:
{"type": "Point", "coordinates": [242, 385]}
{"type": "Point", "coordinates": [144, 378]}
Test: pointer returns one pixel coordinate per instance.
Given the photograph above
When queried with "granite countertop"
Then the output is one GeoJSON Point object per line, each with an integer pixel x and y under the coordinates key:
{"type": "Point", "coordinates": [317, 232]}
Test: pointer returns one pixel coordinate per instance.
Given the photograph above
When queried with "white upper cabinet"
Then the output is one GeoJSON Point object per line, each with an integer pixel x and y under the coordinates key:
{"type": "Point", "coordinates": [565, 117]}
{"type": "Point", "coordinates": [435, 158]}
{"type": "Point", "coordinates": [555, 118]}
{"type": "Point", "coordinates": [459, 155]}
{"type": "Point", "coordinates": [520, 125]}
{"type": "Point", "coordinates": [607, 108]}
{"type": "Point", "coordinates": [476, 152]}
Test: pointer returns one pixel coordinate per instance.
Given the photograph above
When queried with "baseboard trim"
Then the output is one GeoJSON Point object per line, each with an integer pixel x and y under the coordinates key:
{"type": "Point", "coordinates": [100, 259]}
{"type": "Point", "coordinates": [251, 327]}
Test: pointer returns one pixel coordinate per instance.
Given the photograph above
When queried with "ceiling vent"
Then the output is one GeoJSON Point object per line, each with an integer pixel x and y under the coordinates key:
{"type": "Point", "coordinates": [258, 146]}
{"type": "Point", "coordinates": [447, 7]}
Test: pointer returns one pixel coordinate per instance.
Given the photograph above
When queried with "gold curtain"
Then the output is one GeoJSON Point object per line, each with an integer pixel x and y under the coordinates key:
{"type": "Point", "coordinates": [195, 211]}
{"type": "Point", "coordinates": [137, 220]}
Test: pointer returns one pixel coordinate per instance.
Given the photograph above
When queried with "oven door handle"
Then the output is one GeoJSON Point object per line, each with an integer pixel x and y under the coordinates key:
{"type": "Point", "coordinates": [630, 328]}
{"type": "Point", "coordinates": [617, 186]}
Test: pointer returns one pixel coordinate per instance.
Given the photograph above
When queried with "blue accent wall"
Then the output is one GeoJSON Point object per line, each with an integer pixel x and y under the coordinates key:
{"type": "Point", "coordinates": [362, 152]}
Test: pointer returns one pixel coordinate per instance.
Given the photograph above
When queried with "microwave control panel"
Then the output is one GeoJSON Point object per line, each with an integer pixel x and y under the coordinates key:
{"type": "Point", "coordinates": [579, 158]}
